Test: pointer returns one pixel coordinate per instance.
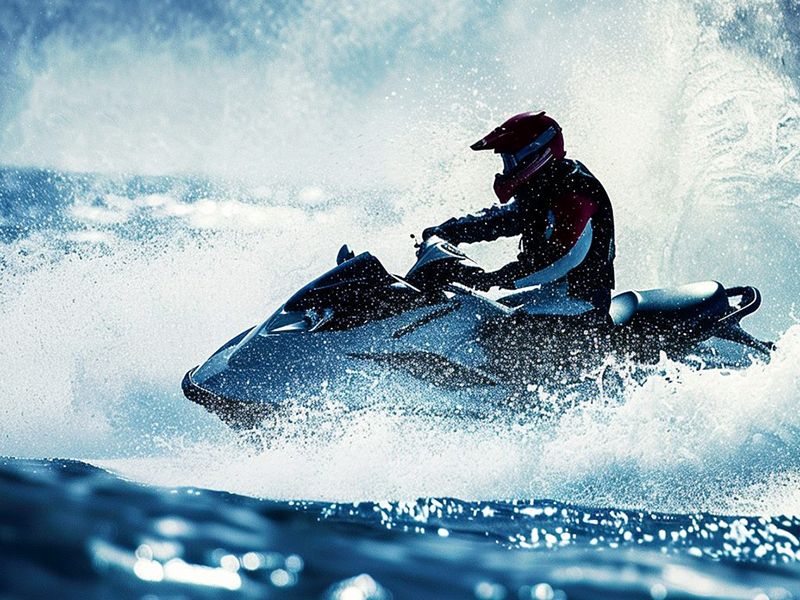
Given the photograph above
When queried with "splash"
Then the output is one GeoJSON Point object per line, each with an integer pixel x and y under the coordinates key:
{"type": "Point", "coordinates": [682, 442]}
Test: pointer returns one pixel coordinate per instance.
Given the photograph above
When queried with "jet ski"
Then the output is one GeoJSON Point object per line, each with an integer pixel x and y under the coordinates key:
{"type": "Point", "coordinates": [357, 329]}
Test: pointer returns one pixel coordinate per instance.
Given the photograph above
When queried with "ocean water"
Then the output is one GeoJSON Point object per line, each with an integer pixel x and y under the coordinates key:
{"type": "Point", "coordinates": [171, 172]}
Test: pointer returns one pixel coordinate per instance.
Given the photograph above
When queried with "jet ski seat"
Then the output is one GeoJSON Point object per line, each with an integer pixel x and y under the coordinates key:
{"type": "Point", "coordinates": [693, 301]}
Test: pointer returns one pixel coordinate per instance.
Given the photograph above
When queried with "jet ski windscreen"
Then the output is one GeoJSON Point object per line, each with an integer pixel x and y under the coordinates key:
{"type": "Point", "coordinates": [359, 273]}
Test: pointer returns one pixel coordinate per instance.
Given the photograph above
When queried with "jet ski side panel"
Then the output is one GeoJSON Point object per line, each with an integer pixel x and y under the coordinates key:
{"type": "Point", "coordinates": [274, 369]}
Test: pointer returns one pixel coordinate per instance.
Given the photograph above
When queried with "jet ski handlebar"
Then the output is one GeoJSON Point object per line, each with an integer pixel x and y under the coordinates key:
{"type": "Point", "coordinates": [439, 263]}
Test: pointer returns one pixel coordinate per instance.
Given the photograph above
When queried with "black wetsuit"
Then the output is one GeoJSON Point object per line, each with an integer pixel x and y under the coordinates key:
{"type": "Point", "coordinates": [563, 211]}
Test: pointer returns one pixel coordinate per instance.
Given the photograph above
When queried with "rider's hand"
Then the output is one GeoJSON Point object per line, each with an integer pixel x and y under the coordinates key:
{"type": "Point", "coordinates": [480, 280]}
{"type": "Point", "coordinates": [429, 232]}
{"type": "Point", "coordinates": [484, 282]}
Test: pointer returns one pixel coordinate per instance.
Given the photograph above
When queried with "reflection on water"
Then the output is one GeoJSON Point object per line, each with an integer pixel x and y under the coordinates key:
{"type": "Point", "coordinates": [79, 531]}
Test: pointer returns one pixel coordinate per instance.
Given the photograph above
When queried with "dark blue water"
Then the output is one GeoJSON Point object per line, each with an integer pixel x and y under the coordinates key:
{"type": "Point", "coordinates": [75, 531]}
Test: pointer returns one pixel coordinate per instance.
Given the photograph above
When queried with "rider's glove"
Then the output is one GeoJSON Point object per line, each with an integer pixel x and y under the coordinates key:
{"type": "Point", "coordinates": [480, 280]}
{"type": "Point", "coordinates": [430, 232]}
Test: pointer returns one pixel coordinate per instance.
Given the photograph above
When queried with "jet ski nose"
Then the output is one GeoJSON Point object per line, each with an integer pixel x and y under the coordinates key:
{"type": "Point", "coordinates": [237, 414]}
{"type": "Point", "coordinates": [198, 394]}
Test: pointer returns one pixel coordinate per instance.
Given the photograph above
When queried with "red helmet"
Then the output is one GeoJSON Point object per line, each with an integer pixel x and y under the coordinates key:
{"type": "Point", "coordinates": [526, 142]}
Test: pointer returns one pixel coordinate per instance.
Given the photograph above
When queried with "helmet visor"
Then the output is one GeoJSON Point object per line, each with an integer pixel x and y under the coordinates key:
{"type": "Point", "coordinates": [512, 160]}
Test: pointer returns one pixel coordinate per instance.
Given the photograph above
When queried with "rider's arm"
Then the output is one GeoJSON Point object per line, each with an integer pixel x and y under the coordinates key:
{"type": "Point", "coordinates": [570, 242]}
{"type": "Point", "coordinates": [485, 226]}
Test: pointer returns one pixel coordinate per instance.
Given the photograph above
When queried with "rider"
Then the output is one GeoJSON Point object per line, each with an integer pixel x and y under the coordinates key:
{"type": "Point", "coordinates": [558, 207]}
